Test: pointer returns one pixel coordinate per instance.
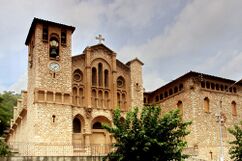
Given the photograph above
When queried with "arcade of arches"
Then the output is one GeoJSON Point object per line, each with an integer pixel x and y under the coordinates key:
{"type": "Point", "coordinates": [99, 135]}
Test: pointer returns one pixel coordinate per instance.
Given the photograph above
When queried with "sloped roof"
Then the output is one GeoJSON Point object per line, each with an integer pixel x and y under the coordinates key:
{"type": "Point", "coordinates": [41, 21]}
{"type": "Point", "coordinates": [100, 45]}
{"type": "Point", "coordinates": [135, 59]}
{"type": "Point", "coordinates": [196, 74]}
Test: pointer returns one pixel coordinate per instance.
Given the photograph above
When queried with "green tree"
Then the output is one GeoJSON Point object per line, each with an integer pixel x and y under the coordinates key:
{"type": "Point", "coordinates": [4, 149]}
{"type": "Point", "coordinates": [236, 149]}
{"type": "Point", "coordinates": [148, 137]}
{"type": "Point", "coordinates": [7, 101]}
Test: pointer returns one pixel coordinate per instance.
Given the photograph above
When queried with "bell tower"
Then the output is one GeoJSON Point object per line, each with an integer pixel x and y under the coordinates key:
{"type": "Point", "coordinates": [49, 81]}
{"type": "Point", "coordinates": [49, 56]}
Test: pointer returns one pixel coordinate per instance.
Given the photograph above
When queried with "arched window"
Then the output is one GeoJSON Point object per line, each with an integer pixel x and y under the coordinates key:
{"type": "Point", "coordinates": [45, 33]}
{"type": "Point", "coordinates": [106, 100]}
{"type": "Point", "coordinates": [81, 96]}
{"type": "Point", "coordinates": [94, 76]}
{"type": "Point", "coordinates": [100, 74]}
{"type": "Point", "coordinates": [166, 94]}
{"type": "Point", "coordinates": [123, 101]}
{"type": "Point", "coordinates": [175, 89]}
{"type": "Point", "coordinates": [94, 95]}
{"type": "Point", "coordinates": [217, 86]}
{"type": "Point", "coordinates": [212, 86]}
{"type": "Point", "coordinates": [106, 83]}
{"type": "Point", "coordinates": [76, 125]}
{"type": "Point", "coordinates": [230, 89]}
{"type": "Point", "coordinates": [54, 48]}
{"type": "Point", "coordinates": [100, 99]}
{"type": "Point", "coordinates": [234, 108]}
{"type": "Point", "coordinates": [97, 125]}
{"type": "Point", "coordinates": [161, 96]}
{"type": "Point", "coordinates": [53, 118]}
{"type": "Point", "coordinates": [180, 106]}
{"type": "Point", "coordinates": [226, 88]}
{"type": "Point", "coordinates": [118, 99]}
{"type": "Point", "coordinates": [156, 98]}
{"type": "Point", "coordinates": [206, 104]}
{"type": "Point", "coordinates": [63, 37]}
{"type": "Point", "coordinates": [170, 92]}
{"type": "Point", "coordinates": [222, 87]}
{"type": "Point", "coordinates": [74, 92]}
{"type": "Point", "coordinates": [180, 87]}
{"type": "Point", "coordinates": [203, 84]}
{"type": "Point", "coordinates": [208, 85]}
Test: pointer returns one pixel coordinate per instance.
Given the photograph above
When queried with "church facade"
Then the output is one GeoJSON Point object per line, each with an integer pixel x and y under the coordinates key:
{"type": "Point", "coordinates": [69, 97]}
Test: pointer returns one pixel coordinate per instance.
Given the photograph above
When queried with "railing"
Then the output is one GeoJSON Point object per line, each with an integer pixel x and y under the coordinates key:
{"type": "Point", "coordinates": [59, 149]}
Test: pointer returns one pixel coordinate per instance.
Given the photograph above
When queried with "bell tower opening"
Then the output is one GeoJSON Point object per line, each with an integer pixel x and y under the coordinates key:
{"type": "Point", "coordinates": [54, 48]}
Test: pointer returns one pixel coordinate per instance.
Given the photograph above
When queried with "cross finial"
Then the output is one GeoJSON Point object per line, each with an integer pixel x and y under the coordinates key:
{"type": "Point", "coordinates": [100, 38]}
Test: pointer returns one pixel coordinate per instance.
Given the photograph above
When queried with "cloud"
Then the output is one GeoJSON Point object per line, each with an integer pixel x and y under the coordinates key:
{"type": "Point", "coordinates": [133, 14]}
{"type": "Point", "coordinates": [201, 37]}
{"type": "Point", "coordinates": [20, 84]}
{"type": "Point", "coordinates": [188, 34]}
{"type": "Point", "coordinates": [200, 25]}
{"type": "Point", "coordinates": [233, 65]}
{"type": "Point", "coordinates": [153, 82]}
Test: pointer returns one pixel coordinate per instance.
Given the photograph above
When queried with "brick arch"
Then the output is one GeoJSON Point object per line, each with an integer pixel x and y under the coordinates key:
{"type": "Point", "coordinates": [206, 102]}
{"type": "Point", "coordinates": [96, 61]}
{"type": "Point", "coordinates": [78, 120]}
{"type": "Point", "coordinates": [102, 72]}
{"type": "Point", "coordinates": [101, 119]}
{"type": "Point", "coordinates": [234, 108]}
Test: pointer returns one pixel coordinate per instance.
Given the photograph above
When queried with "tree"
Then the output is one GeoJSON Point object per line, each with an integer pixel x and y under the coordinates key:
{"type": "Point", "coordinates": [236, 149]}
{"type": "Point", "coordinates": [4, 149]}
{"type": "Point", "coordinates": [7, 101]}
{"type": "Point", "coordinates": [148, 137]}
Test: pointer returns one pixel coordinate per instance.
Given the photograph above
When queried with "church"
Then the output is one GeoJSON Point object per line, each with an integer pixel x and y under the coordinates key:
{"type": "Point", "coordinates": [69, 97]}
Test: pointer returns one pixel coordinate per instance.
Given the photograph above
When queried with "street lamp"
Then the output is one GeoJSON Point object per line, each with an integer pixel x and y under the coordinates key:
{"type": "Point", "coordinates": [220, 119]}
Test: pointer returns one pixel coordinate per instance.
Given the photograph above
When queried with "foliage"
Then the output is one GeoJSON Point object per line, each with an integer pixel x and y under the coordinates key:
{"type": "Point", "coordinates": [148, 137]}
{"type": "Point", "coordinates": [236, 148]}
{"type": "Point", "coordinates": [4, 149]}
{"type": "Point", "coordinates": [7, 101]}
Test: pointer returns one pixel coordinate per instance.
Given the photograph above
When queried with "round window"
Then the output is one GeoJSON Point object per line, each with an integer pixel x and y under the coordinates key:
{"type": "Point", "coordinates": [120, 82]}
{"type": "Point", "coordinates": [77, 75]}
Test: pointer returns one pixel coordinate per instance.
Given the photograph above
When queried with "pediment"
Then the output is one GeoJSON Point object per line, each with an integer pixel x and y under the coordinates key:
{"type": "Point", "coordinates": [100, 47]}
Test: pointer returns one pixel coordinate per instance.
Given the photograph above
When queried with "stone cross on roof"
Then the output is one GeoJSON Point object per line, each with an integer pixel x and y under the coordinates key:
{"type": "Point", "coordinates": [100, 38]}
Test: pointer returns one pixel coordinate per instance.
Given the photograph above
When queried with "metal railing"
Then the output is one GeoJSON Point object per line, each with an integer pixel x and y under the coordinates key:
{"type": "Point", "coordinates": [59, 149]}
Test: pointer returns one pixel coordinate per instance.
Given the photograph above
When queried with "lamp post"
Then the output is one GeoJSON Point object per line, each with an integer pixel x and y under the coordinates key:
{"type": "Point", "coordinates": [220, 120]}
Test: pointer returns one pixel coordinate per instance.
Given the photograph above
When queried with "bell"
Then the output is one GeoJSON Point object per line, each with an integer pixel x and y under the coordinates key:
{"type": "Point", "coordinates": [53, 52]}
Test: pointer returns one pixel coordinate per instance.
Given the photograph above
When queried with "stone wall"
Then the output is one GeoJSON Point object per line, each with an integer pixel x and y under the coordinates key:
{"type": "Point", "coordinates": [136, 83]}
{"type": "Point", "coordinates": [59, 158]}
{"type": "Point", "coordinates": [205, 129]}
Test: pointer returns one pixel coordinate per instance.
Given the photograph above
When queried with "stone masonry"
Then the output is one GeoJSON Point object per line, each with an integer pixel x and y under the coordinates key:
{"type": "Point", "coordinates": [69, 97]}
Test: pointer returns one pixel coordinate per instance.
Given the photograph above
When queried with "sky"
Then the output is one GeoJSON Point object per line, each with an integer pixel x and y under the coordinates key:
{"type": "Point", "coordinates": [171, 37]}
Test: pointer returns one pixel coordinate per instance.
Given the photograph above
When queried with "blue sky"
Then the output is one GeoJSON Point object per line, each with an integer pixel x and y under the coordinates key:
{"type": "Point", "coordinates": [171, 37]}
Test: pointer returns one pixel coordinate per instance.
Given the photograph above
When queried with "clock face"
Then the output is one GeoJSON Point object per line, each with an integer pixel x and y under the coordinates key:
{"type": "Point", "coordinates": [55, 67]}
